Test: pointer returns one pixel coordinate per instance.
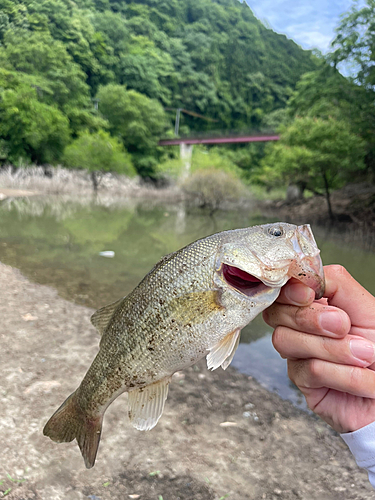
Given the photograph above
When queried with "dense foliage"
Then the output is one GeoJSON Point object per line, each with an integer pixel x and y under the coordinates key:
{"type": "Point", "coordinates": [316, 154]}
{"type": "Point", "coordinates": [137, 61]}
{"type": "Point", "coordinates": [98, 153]}
{"type": "Point", "coordinates": [328, 134]}
{"type": "Point", "coordinates": [75, 74]}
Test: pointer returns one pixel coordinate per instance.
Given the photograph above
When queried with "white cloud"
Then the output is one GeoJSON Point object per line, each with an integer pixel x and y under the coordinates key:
{"type": "Point", "coordinates": [311, 25]}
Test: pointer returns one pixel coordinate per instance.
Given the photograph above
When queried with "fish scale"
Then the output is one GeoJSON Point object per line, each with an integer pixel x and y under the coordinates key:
{"type": "Point", "coordinates": [190, 305]}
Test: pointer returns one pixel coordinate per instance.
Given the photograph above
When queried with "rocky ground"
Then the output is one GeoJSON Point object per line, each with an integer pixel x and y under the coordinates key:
{"type": "Point", "coordinates": [221, 436]}
{"type": "Point", "coordinates": [353, 205]}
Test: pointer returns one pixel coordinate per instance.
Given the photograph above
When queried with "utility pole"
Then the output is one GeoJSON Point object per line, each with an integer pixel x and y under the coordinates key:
{"type": "Point", "coordinates": [191, 113]}
{"type": "Point", "coordinates": [177, 122]}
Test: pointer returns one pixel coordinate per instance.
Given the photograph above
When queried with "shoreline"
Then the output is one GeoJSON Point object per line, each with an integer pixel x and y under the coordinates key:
{"type": "Point", "coordinates": [221, 432]}
{"type": "Point", "coordinates": [353, 205]}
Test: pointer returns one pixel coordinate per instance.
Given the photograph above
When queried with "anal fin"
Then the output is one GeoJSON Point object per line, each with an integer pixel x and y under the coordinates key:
{"type": "Point", "coordinates": [146, 404]}
{"type": "Point", "coordinates": [222, 353]}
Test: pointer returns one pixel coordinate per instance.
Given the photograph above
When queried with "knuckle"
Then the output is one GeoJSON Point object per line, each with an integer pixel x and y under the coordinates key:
{"type": "Point", "coordinates": [266, 315]}
{"type": "Point", "coordinates": [337, 269]}
{"type": "Point", "coordinates": [277, 337]}
{"type": "Point", "coordinates": [278, 340]}
{"type": "Point", "coordinates": [299, 314]}
{"type": "Point", "coordinates": [293, 371]}
{"type": "Point", "coordinates": [355, 378]}
{"type": "Point", "coordinates": [271, 315]}
{"type": "Point", "coordinates": [314, 371]}
{"type": "Point", "coordinates": [305, 319]}
{"type": "Point", "coordinates": [326, 345]}
{"type": "Point", "coordinates": [297, 372]}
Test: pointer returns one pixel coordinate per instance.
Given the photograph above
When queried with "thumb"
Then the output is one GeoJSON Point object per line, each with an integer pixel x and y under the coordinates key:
{"type": "Point", "coordinates": [343, 291]}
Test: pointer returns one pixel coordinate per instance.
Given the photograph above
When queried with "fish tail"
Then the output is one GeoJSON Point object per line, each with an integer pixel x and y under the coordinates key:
{"type": "Point", "coordinates": [68, 422]}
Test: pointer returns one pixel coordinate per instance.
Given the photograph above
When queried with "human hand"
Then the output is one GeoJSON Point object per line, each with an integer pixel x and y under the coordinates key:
{"type": "Point", "coordinates": [329, 345]}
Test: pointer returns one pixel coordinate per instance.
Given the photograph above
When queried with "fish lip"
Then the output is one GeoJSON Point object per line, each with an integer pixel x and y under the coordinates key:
{"type": "Point", "coordinates": [308, 268]}
{"type": "Point", "coordinates": [310, 272]}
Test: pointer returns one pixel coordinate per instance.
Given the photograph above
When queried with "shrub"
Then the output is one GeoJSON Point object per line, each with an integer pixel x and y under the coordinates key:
{"type": "Point", "coordinates": [212, 187]}
{"type": "Point", "coordinates": [98, 153]}
{"type": "Point", "coordinates": [202, 159]}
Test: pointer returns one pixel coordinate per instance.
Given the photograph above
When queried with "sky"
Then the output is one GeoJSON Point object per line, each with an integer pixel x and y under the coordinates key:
{"type": "Point", "coordinates": [309, 23]}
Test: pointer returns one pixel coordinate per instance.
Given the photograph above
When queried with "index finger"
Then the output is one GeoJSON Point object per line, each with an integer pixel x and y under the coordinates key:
{"type": "Point", "coordinates": [341, 290]}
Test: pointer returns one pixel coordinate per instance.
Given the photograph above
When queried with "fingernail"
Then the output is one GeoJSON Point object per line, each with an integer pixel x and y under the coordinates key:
{"type": "Point", "coordinates": [331, 322]}
{"type": "Point", "coordinates": [362, 349]}
{"type": "Point", "coordinates": [299, 294]}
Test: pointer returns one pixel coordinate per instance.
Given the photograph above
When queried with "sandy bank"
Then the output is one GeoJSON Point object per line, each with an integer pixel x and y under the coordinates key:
{"type": "Point", "coordinates": [15, 193]}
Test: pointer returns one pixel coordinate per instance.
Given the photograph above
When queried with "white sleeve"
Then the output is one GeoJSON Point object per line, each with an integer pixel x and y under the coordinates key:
{"type": "Point", "coordinates": [362, 444]}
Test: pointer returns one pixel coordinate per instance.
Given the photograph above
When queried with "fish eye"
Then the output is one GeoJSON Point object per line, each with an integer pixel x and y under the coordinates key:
{"type": "Point", "coordinates": [275, 231]}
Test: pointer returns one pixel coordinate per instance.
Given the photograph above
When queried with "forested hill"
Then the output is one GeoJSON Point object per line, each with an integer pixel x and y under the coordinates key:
{"type": "Point", "coordinates": [212, 57]}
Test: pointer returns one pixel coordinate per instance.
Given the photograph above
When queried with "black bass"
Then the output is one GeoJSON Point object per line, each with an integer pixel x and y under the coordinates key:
{"type": "Point", "coordinates": [192, 304]}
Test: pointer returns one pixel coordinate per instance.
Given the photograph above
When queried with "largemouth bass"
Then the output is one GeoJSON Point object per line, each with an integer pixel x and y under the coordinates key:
{"type": "Point", "coordinates": [192, 304]}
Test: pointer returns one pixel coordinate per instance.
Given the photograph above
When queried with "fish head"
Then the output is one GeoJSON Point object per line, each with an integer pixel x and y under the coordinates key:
{"type": "Point", "coordinates": [258, 261]}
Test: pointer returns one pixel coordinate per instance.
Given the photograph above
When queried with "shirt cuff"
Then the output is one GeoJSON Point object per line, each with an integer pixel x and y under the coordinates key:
{"type": "Point", "coordinates": [362, 445]}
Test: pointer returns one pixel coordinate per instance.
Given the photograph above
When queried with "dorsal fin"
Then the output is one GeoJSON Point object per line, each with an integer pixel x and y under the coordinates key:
{"type": "Point", "coordinates": [102, 316]}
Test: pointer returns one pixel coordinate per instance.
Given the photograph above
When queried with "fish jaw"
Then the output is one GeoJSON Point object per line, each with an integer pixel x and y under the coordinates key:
{"type": "Point", "coordinates": [308, 266]}
{"type": "Point", "coordinates": [309, 271]}
{"type": "Point", "coordinates": [250, 270]}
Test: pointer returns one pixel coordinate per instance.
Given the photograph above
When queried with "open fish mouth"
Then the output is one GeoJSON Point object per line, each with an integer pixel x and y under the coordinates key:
{"type": "Point", "coordinates": [241, 280]}
{"type": "Point", "coordinates": [310, 272]}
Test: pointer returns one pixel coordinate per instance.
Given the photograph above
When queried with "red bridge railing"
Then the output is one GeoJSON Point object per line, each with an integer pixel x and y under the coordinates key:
{"type": "Point", "coordinates": [218, 140]}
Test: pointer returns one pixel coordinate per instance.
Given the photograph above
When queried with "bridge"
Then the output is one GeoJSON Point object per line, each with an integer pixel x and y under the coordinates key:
{"type": "Point", "coordinates": [186, 144]}
{"type": "Point", "coordinates": [189, 141]}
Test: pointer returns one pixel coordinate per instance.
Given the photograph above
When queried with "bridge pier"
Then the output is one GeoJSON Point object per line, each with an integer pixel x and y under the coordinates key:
{"type": "Point", "coordinates": [186, 152]}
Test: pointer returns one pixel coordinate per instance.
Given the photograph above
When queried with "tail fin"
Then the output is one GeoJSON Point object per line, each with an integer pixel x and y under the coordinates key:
{"type": "Point", "coordinates": [68, 423]}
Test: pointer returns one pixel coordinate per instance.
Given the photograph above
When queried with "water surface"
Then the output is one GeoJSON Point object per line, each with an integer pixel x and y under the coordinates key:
{"type": "Point", "coordinates": [57, 241]}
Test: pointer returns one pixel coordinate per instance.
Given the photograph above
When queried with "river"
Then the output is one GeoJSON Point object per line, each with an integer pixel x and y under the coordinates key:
{"type": "Point", "coordinates": [57, 241]}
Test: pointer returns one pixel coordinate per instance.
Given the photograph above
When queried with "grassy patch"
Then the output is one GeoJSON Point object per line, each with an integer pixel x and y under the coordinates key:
{"type": "Point", "coordinates": [261, 193]}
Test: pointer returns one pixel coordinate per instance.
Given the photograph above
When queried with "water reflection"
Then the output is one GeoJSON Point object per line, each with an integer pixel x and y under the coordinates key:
{"type": "Point", "coordinates": [57, 241]}
{"type": "Point", "coordinates": [260, 360]}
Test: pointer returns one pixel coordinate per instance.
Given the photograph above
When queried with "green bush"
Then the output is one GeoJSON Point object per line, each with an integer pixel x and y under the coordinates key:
{"type": "Point", "coordinates": [202, 159]}
{"type": "Point", "coordinates": [30, 129]}
{"type": "Point", "coordinates": [212, 187]}
{"type": "Point", "coordinates": [98, 153]}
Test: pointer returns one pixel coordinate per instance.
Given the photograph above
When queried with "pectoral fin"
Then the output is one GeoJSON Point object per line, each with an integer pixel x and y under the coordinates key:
{"type": "Point", "coordinates": [223, 352]}
{"type": "Point", "coordinates": [102, 316]}
{"type": "Point", "coordinates": [146, 404]}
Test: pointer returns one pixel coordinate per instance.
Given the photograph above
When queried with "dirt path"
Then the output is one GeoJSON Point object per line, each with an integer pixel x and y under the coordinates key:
{"type": "Point", "coordinates": [221, 435]}
{"type": "Point", "coordinates": [15, 193]}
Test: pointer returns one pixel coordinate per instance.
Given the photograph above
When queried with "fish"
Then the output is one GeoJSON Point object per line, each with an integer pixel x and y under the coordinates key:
{"type": "Point", "coordinates": [192, 304]}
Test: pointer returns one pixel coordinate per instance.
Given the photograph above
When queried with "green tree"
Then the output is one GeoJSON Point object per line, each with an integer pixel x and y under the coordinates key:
{"type": "Point", "coordinates": [145, 68]}
{"type": "Point", "coordinates": [72, 25]}
{"type": "Point", "coordinates": [37, 53]}
{"type": "Point", "coordinates": [318, 154]}
{"type": "Point", "coordinates": [355, 42]}
{"type": "Point", "coordinates": [137, 120]}
{"type": "Point", "coordinates": [30, 129]}
{"type": "Point", "coordinates": [98, 153]}
{"type": "Point", "coordinates": [354, 47]}
{"type": "Point", "coordinates": [212, 57]}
